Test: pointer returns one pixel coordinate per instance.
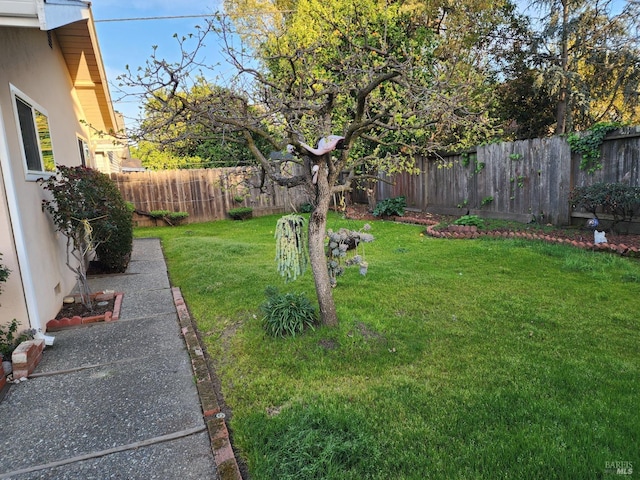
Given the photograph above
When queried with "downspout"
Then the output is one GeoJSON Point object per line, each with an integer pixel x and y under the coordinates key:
{"type": "Point", "coordinates": [18, 234]}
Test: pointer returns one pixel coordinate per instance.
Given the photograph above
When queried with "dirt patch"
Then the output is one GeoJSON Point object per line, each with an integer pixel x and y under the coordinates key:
{"type": "Point", "coordinates": [328, 344]}
{"type": "Point", "coordinates": [367, 333]}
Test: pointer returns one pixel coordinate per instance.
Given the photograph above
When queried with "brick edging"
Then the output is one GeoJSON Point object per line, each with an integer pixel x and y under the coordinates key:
{"type": "Point", "coordinates": [225, 459]}
{"type": "Point", "coordinates": [25, 358]}
{"type": "Point", "coordinates": [619, 248]}
{"type": "Point", "coordinates": [109, 316]}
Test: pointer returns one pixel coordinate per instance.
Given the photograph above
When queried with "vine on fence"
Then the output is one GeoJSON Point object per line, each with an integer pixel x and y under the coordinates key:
{"type": "Point", "coordinates": [588, 145]}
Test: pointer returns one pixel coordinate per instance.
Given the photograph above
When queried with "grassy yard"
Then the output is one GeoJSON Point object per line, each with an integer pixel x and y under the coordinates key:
{"type": "Point", "coordinates": [453, 358]}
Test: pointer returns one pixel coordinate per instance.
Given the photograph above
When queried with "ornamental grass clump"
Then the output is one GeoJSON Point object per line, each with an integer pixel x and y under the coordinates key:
{"type": "Point", "coordinates": [287, 313]}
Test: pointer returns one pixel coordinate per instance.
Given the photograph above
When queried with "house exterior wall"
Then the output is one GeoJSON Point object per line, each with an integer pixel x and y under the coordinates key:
{"type": "Point", "coordinates": [28, 63]}
{"type": "Point", "coordinates": [12, 302]}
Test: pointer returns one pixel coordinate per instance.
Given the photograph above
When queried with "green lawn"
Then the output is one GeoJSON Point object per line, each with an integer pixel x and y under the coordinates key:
{"type": "Point", "coordinates": [453, 358]}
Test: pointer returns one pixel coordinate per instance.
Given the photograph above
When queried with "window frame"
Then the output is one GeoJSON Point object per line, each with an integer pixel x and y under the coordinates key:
{"type": "Point", "coordinates": [36, 109]}
{"type": "Point", "coordinates": [84, 151]}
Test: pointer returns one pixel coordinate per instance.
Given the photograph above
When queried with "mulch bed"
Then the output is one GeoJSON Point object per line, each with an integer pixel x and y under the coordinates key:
{"type": "Point", "coordinates": [105, 308]}
{"type": "Point", "coordinates": [70, 310]}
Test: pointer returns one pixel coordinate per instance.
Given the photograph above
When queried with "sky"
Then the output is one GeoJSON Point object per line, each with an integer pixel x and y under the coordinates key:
{"type": "Point", "coordinates": [130, 43]}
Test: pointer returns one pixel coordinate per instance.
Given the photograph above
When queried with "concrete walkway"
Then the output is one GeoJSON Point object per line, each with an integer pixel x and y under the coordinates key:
{"type": "Point", "coordinates": [113, 400]}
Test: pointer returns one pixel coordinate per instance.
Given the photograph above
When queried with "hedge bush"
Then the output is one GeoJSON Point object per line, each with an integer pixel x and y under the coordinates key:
{"type": "Point", "coordinates": [617, 199]}
{"type": "Point", "coordinates": [82, 194]}
{"type": "Point", "coordinates": [241, 213]}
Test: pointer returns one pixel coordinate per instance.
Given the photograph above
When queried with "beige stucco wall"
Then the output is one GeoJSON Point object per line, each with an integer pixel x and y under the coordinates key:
{"type": "Point", "coordinates": [12, 303]}
{"type": "Point", "coordinates": [38, 71]}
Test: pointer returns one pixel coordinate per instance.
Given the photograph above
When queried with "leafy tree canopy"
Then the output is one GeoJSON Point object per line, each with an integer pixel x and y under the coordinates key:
{"type": "Point", "coordinates": [377, 73]}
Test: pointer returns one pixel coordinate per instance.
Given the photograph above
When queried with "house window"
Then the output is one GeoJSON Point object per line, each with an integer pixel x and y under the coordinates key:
{"type": "Point", "coordinates": [85, 154]}
{"type": "Point", "coordinates": [35, 136]}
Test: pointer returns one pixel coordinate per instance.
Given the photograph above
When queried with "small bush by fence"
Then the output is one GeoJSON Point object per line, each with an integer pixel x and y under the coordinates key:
{"type": "Point", "coordinates": [205, 194]}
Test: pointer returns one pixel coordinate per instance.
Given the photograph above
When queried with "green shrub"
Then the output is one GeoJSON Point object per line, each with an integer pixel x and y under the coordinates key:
{"type": "Point", "coordinates": [158, 214]}
{"type": "Point", "coordinates": [241, 213]}
{"type": "Point", "coordinates": [115, 252]}
{"type": "Point", "coordinates": [287, 314]}
{"type": "Point", "coordinates": [10, 339]}
{"type": "Point", "coordinates": [177, 216]}
{"type": "Point", "coordinates": [390, 207]}
{"type": "Point", "coordinates": [4, 274]}
{"type": "Point", "coordinates": [81, 195]}
{"type": "Point", "coordinates": [305, 208]}
{"type": "Point", "coordinates": [620, 200]}
{"type": "Point", "coordinates": [470, 221]}
{"type": "Point", "coordinates": [169, 217]}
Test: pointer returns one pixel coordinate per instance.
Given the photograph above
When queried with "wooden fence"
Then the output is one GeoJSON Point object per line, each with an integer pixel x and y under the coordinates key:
{"type": "Point", "coordinates": [205, 194]}
{"type": "Point", "coordinates": [524, 180]}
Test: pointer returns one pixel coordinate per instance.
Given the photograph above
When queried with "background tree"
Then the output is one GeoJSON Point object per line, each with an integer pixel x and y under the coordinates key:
{"type": "Point", "coordinates": [367, 71]}
{"type": "Point", "coordinates": [186, 144]}
{"type": "Point", "coordinates": [588, 55]}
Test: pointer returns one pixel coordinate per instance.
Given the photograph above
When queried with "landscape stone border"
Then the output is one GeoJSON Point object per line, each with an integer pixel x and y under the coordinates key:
{"type": "Point", "coordinates": [224, 456]}
{"type": "Point", "coordinates": [470, 232]}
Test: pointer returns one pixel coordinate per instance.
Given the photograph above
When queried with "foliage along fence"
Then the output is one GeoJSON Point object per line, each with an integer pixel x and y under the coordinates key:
{"type": "Point", "coordinates": [205, 194]}
{"type": "Point", "coordinates": [524, 180]}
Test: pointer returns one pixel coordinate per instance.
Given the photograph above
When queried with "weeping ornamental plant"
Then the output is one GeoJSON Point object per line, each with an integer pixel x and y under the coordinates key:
{"type": "Point", "coordinates": [291, 247]}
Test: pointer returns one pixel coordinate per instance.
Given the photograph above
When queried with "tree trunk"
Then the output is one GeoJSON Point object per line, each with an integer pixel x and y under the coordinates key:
{"type": "Point", "coordinates": [563, 97]}
{"type": "Point", "coordinates": [317, 256]}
